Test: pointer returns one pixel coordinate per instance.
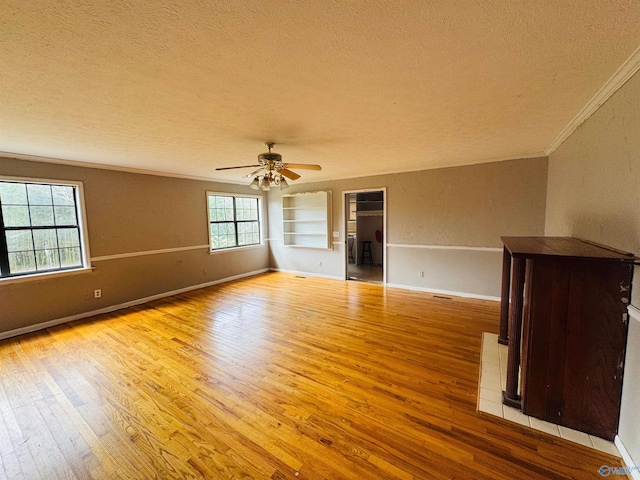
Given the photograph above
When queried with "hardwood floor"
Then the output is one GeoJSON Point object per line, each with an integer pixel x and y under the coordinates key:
{"type": "Point", "coordinates": [273, 376]}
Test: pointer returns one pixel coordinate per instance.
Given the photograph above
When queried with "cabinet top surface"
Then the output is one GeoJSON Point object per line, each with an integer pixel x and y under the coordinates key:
{"type": "Point", "coordinates": [562, 247]}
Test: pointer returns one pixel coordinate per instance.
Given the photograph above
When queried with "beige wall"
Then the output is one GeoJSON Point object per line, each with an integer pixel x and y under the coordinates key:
{"type": "Point", "coordinates": [469, 206]}
{"type": "Point", "coordinates": [594, 194]}
{"type": "Point", "coordinates": [126, 213]}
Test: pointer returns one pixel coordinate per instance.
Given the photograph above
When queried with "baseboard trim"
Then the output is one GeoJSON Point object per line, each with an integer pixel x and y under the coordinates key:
{"type": "Point", "coordinates": [306, 274]}
{"type": "Point", "coordinates": [444, 292]}
{"type": "Point", "coordinates": [634, 468]}
{"type": "Point", "coordinates": [120, 306]}
{"type": "Point", "coordinates": [397, 285]}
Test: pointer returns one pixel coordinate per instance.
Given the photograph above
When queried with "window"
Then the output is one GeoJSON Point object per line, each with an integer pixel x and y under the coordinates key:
{"type": "Point", "coordinates": [234, 221]}
{"type": "Point", "coordinates": [40, 228]}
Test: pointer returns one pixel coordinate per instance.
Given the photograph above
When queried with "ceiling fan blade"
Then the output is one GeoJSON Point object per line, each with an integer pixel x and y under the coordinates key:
{"type": "Point", "coordinates": [242, 166]}
{"type": "Point", "coordinates": [252, 173]}
{"type": "Point", "coordinates": [289, 174]}
{"type": "Point", "coordinates": [303, 166]}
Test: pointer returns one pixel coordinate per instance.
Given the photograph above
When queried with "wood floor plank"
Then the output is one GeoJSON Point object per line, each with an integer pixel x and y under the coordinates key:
{"type": "Point", "coordinates": [272, 376]}
{"type": "Point", "coordinates": [10, 463]}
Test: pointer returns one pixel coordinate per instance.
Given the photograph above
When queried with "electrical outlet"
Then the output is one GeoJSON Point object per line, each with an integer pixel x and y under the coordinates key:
{"type": "Point", "coordinates": [420, 274]}
{"type": "Point", "coordinates": [319, 264]}
{"type": "Point", "coordinates": [97, 293]}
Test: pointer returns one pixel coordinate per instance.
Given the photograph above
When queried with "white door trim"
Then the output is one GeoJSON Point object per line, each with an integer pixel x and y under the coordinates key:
{"type": "Point", "coordinates": [345, 256]}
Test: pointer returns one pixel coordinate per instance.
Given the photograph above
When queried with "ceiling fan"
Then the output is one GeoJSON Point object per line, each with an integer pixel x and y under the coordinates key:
{"type": "Point", "coordinates": [272, 170]}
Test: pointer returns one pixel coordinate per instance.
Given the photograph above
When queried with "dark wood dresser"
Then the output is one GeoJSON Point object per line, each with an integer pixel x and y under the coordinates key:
{"type": "Point", "coordinates": [568, 321]}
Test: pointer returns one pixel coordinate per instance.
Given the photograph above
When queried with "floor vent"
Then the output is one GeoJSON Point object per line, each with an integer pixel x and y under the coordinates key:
{"type": "Point", "coordinates": [300, 276]}
{"type": "Point", "coordinates": [440, 296]}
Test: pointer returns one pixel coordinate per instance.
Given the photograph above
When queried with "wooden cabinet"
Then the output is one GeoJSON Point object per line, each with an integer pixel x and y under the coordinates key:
{"type": "Point", "coordinates": [306, 219]}
{"type": "Point", "coordinates": [574, 331]}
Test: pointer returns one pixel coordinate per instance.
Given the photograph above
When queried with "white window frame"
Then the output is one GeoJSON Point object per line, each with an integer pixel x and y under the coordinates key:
{"type": "Point", "coordinates": [261, 221]}
{"type": "Point", "coordinates": [82, 225]}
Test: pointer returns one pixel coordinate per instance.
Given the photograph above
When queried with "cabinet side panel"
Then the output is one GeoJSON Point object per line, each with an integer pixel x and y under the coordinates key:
{"type": "Point", "coordinates": [596, 339]}
{"type": "Point", "coordinates": [578, 357]}
{"type": "Point", "coordinates": [558, 282]}
{"type": "Point", "coordinates": [536, 325]}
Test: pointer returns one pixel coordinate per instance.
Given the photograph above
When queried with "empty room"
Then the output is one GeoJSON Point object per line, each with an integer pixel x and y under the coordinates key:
{"type": "Point", "coordinates": [319, 240]}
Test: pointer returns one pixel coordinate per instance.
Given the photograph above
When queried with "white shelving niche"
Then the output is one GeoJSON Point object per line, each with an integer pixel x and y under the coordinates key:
{"type": "Point", "coordinates": [306, 219]}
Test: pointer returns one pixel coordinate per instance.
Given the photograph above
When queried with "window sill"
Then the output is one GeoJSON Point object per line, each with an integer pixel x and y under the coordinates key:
{"type": "Point", "coordinates": [44, 276]}
{"type": "Point", "coordinates": [235, 249]}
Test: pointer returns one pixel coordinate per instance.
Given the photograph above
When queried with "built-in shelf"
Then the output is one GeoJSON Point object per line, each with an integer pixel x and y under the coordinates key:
{"type": "Point", "coordinates": [306, 220]}
{"type": "Point", "coordinates": [369, 213]}
{"type": "Point", "coordinates": [369, 202]}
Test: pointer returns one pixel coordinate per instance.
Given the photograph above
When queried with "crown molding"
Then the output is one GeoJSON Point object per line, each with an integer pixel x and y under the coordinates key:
{"type": "Point", "coordinates": [617, 80]}
{"type": "Point", "coordinates": [104, 166]}
{"type": "Point", "coordinates": [141, 171]}
{"type": "Point", "coordinates": [439, 166]}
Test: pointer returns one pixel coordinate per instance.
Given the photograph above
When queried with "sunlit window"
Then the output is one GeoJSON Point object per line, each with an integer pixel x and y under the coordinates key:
{"type": "Point", "coordinates": [41, 228]}
{"type": "Point", "coordinates": [234, 221]}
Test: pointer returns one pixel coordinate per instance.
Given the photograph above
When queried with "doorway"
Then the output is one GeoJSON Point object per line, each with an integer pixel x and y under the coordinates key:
{"type": "Point", "coordinates": [365, 225]}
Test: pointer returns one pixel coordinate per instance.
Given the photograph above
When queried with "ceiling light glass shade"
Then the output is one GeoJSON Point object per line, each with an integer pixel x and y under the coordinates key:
{"type": "Point", "coordinates": [268, 180]}
{"type": "Point", "coordinates": [255, 184]}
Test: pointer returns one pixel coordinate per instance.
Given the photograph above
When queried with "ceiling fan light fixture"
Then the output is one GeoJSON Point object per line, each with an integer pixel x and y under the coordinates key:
{"type": "Point", "coordinates": [272, 170]}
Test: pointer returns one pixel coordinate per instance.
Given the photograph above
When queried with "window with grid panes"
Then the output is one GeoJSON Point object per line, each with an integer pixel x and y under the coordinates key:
{"type": "Point", "coordinates": [234, 221]}
{"type": "Point", "coordinates": [40, 228]}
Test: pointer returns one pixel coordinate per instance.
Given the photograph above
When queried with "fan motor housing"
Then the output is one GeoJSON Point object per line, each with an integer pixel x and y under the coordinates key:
{"type": "Point", "coordinates": [270, 157]}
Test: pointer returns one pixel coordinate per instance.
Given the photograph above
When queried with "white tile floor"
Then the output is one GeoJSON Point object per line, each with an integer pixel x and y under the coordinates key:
{"type": "Point", "coordinates": [493, 378]}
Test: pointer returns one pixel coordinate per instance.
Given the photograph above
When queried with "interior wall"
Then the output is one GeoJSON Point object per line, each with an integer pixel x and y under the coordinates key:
{"type": "Point", "coordinates": [127, 213]}
{"type": "Point", "coordinates": [594, 194]}
{"type": "Point", "coordinates": [435, 218]}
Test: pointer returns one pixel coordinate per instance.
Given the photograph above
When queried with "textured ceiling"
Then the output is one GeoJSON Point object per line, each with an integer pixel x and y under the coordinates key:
{"type": "Point", "coordinates": [360, 87]}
